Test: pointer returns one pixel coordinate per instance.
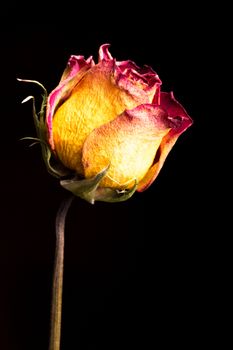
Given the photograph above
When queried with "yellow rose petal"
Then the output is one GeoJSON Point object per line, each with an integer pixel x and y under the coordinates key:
{"type": "Point", "coordinates": [128, 143]}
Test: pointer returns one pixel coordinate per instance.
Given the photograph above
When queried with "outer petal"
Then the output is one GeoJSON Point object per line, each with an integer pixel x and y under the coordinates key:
{"type": "Point", "coordinates": [179, 121]}
{"type": "Point", "coordinates": [128, 143]}
{"type": "Point", "coordinates": [76, 68]}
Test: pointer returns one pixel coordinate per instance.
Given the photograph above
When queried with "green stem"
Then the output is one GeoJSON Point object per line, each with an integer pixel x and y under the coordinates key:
{"type": "Point", "coordinates": [56, 309]}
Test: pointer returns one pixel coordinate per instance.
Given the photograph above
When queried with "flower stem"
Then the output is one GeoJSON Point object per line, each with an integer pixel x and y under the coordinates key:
{"type": "Point", "coordinates": [56, 308]}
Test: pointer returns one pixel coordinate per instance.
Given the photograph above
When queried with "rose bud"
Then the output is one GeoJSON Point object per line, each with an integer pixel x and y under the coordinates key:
{"type": "Point", "coordinates": [111, 126]}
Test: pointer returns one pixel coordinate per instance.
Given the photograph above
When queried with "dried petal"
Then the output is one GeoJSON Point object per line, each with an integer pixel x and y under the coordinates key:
{"type": "Point", "coordinates": [179, 122]}
{"type": "Point", "coordinates": [94, 101]}
{"type": "Point", "coordinates": [128, 143]}
{"type": "Point", "coordinates": [73, 73]}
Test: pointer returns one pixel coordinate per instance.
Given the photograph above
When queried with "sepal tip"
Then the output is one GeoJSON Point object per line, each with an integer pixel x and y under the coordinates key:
{"type": "Point", "coordinates": [27, 99]}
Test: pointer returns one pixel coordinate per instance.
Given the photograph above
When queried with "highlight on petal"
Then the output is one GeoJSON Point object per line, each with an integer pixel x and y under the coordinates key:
{"type": "Point", "coordinates": [128, 143]}
{"type": "Point", "coordinates": [104, 54]}
{"type": "Point", "coordinates": [179, 121]}
{"type": "Point", "coordinates": [76, 68]}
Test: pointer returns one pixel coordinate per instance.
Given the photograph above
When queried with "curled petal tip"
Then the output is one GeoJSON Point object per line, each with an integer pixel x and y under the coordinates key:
{"type": "Point", "coordinates": [177, 114]}
{"type": "Point", "coordinates": [75, 64]}
{"type": "Point", "coordinates": [104, 54]}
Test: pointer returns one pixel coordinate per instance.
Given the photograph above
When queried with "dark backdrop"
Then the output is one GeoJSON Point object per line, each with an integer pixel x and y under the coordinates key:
{"type": "Point", "coordinates": [136, 273]}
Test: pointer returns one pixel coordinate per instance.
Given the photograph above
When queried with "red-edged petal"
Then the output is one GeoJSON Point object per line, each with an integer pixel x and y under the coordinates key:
{"type": "Point", "coordinates": [138, 81]}
{"type": "Point", "coordinates": [179, 122]}
{"type": "Point", "coordinates": [176, 112]}
{"type": "Point", "coordinates": [76, 68]}
{"type": "Point", "coordinates": [128, 144]}
{"type": "Point", "coordinates": [74, 65]}
{"type": "Point", "coordinates": [104, 54]}
{"type": "Point", "coordinates": [146, 74]}
{"type": "Point", "coordinates": [143, 83]}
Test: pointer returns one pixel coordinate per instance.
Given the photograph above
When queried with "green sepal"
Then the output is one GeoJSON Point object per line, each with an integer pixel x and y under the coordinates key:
{"type": "Point", "coordinates": [90, 190]}
{"type": "Point", "coordinates": [85, 188]}
{"type": "Point", "coordinates": [56, 169]}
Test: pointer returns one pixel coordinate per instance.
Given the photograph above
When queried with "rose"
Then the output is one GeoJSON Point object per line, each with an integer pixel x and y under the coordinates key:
{"type": "Point", "coordinates": [111, 120]}
{"type": "Point", "coordinates": [111, 129]}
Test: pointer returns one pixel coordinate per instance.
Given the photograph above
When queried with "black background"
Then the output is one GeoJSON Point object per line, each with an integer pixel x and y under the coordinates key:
{"type": "Point", "coordinates": [138, 273]}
